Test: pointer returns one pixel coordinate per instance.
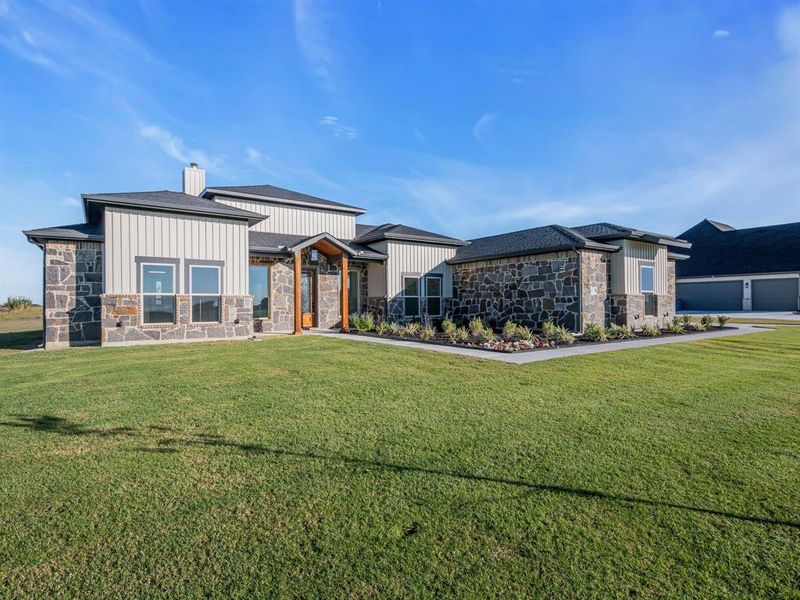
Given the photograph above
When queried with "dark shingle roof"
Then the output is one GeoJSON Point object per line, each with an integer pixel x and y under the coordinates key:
{"type": "Point", "coordinates": [549, 238]}
{"type": "Point", "coordinates": [173, 202]}
{"type": "Point", "coordinates": [278, 243]}
{"type": "Point", "coordinates": [271, 192]}
{"type": "Point", "coordinates": [391, 231]}
{"type": "Point", "coordinates": [715, 251]}
{"type": "Point", "coordinates": [80, 231]}
{"type": "Point", "coordinates": [609, 231]}
{"type": "Point", "coordinates": [362, 230]}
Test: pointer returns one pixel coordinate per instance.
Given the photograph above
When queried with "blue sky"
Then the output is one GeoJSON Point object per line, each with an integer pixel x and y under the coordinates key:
{"type": "Point", "coordinates": [465, 118]}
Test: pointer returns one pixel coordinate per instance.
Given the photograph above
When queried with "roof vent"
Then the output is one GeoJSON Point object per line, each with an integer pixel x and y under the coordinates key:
{"type": "Point", "coordinates": [194, 180]}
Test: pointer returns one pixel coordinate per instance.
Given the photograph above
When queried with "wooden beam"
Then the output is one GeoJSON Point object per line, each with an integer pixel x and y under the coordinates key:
{"type": "Point", "coordinates": [298, 312]}
{"type": "Point", "coordinates": [345, 308]}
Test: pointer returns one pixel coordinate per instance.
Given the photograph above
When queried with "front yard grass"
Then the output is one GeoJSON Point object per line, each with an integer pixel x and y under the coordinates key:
{"type": "Point", "coordinates": [314, 467]}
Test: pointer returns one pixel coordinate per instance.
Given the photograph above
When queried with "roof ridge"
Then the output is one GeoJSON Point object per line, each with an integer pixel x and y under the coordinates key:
{"type": "Point", "coordinates": [572, 233]}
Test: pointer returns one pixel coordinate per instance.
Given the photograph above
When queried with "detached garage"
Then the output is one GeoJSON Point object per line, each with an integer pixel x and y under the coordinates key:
{"type": "Point", "coordinates": [740, 269]}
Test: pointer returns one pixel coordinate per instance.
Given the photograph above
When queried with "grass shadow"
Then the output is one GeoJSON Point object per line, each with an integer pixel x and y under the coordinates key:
{"type": "Point", "coordinates": [169, 445]}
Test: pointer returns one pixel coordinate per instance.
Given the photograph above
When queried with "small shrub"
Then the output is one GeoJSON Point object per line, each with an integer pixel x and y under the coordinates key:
{"type": "Point", "coordinates": [707, 321]}
{"type": "Point", "coordinates": [426, 334]}
{"type": "Point", "coordinates": [362, 323]}
{"type": "Point", "coordinates": [413, 329]}
{"type": "Point", "coordinates": [509, 330]}
{"type": "Point", "coordinates": [525, 333]}
{"type": "Point", "coordinates": [18, 302]}
{"type": "Point", "coordinates": [701, 325]}
{"type": "Point", "coordinates": [448, 327]}
{"type": "Point", "coordinates": [564, 336]}
{"type": "Point", "coordinates": [549, 330]}
{"type": "Point", "coordinates": [686, 321]}
{"type": "Point", "coordinates": [722, 320]}
{"type": "Point", "coordinates": [383, 328]}
{"type": "Point", "coordinates": [675, 326]}
{"type": "Point", "coordinates": [396, 329]}
{"type": "Point", "coordinates": [595, 333]}
{"type": "Point", "coordinates": [459, 335]}
{"type": "Point", "coordinates": [476, 327]}
{"type": "Point", "coordinates": [650, 330]}
{"type": "Point", "coordinates": [620, 332]}
{"type": "Point", "coordinates": [486, 335]}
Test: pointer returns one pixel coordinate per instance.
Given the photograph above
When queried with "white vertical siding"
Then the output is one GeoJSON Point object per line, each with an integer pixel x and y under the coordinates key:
{"type": "Point", "coordinates": [405, 257]}
{"type": "Point", "coordinates": [625, 273]}
{"type": "Point", "coordinates": [297, 220]}
{"type": "Point", "coordinates": [376, 273]}
{"type": "Point", "coordinates": [132, 233]}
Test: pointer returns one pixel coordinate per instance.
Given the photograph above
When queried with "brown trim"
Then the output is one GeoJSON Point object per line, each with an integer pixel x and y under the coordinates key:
{"type": "Point", "coordinates": [298, 315]}
{"type": "Point", "coordinates": [345, 277]}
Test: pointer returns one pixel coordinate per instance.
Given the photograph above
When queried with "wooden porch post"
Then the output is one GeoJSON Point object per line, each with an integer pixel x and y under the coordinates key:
{"type": "Point", "coordinates": [345, 308]}
{"type": "Point", "coordinates": [298, 312]}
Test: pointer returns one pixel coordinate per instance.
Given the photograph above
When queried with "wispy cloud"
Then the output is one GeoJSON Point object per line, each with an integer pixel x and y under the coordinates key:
{"type": "Point", "coordinates": [482, 127]}
{"type": "Point", "coordinates": [312, 30]}
{"type": "Point", "coordinates": [721, 33]}
{"type": "Point", "coordinates": [70, 201]}
{"type": "Point", "coordinates": [338, 129]}
{"type": "Point", "coordinates": [174, 147]}
{"type": "Point", "coordinates": [294, 175]}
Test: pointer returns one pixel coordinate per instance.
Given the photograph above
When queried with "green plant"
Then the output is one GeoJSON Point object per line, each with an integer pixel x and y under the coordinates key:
{"type": "Point", "coordinates": [595, 333]}
{"type": "Point", "coordinates": [701, 325]}
{"type": "Point", "coordinates": [426, 334]}
{"type": "Point", "coordinates": [686, 321]}
{"type": "Point", "coordinates": [722, 320]}
{"type": "Point", "coordinates": [620, 332]}
{"type": "Point", "coordinates": [476, 327]}
{"type": "Point", "coordinates": [396, 329]}
{"type": "Point", "coordinates": [563, 336]}
{"type": "Point", "coordinates": [362, 322]}
{"type": "Point", "coordinates": [382, 328]}
{"type": "Point", "coordinates": [675, 326]}
{"type": "Point", "coordinates": [459, 335]}
{"type": "Point", "coordinates": [707, 321]}
{"type": "Point", "coordinates": [525, 333]}
{"type": "Point", "coordinates": [449, 327]}
{"type": "Point", "coordinates": [412, 329]}
{"type": "Point", "coordinates": [486, 335]}
{"type": "Point", "coordinates": [549, 330]}
{"type": "Point", "coordinates": [650, 330]}
{"type": "Point", "coordinates": [18, 302]}
{"type": "Point", "coordinates": [509, 330]}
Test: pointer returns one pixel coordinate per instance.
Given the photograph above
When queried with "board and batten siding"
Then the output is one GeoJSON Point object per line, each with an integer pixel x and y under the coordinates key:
{"type": "Point", "coordinates": [131, 233]}
{"type": "Point", "coordinates": [296, 220]}
{"type": "Point", "coordinates": [625, 275]}
{"type": "Point", "coordinates": [419, 259]}
{"type": "Point", "coordinates": [376, 273]}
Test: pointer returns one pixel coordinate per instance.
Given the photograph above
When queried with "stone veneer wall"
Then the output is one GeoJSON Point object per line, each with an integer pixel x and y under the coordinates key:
{"type": "Point", "coordinates": [73, 284]}
{"type": "Point", "coordinates": [528, 290]}
{"type": "Point", "coordinates": [122, 320]}
{"type": "Point", "coordinates": [595, 269]}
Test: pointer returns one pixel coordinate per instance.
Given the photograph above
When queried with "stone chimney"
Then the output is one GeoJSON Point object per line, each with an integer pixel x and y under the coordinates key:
{"type": "Point", "coordinates": [194, 180]}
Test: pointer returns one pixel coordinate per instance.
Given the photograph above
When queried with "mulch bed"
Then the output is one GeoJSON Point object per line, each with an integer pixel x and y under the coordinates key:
{"type": "Point", "coordinates": [441, 339]}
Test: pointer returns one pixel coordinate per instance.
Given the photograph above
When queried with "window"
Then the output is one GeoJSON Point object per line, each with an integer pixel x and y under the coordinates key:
{"type": "Point", "coordinates": [353, 291]}
{"type": "Point", "coordinates": [433, 293]}
{"type": "Point", "coordinates": [158, 293]}
{"type": "Point", "coordinates": [204, 289]}
{"type": "Point", "coordinates": [647, 280]}
{"type": "Point", "coordinates": [410, 296]}
{"type": "Point", "coordinates": [259, 289]}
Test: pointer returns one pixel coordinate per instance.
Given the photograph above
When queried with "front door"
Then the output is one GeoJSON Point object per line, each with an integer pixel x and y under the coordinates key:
{"type": "Point", "coordinates": [307, 300]}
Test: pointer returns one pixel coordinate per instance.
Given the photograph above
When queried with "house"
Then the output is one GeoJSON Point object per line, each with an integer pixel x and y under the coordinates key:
{"type": "Point", "coordinates": [730, 269]}
{"type": "Point", "coordinates": [225, 262]}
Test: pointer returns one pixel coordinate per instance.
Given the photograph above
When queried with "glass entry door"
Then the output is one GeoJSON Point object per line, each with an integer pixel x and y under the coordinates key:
{"type": "Point", "coordinates": [307, 301]}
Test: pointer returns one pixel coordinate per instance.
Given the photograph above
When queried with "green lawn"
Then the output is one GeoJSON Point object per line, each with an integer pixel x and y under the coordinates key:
{"type": "Point", "coordinates": [313, 467]}
{"type": "Point", "coordinates": [20, 329]}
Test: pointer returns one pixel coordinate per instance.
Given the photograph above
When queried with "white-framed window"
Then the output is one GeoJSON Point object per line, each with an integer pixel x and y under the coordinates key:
{"type": "Point", "coordinates": [204, 289]}
{"type": "Point", "coordinates": [259, 289]}
{"type": "Point", "coordinates": [410, 296]}
{"type": "Point", "coordinates": [433, 294]}
{"type": "Point", "coordinates": [354, 291]}
{"type": "Point", "coordinates": [647, 274]}
{"type": "Point", "coordinates": [158, 292]}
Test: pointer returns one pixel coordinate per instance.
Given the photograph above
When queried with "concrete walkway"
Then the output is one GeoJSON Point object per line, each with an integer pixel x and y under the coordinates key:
{"type": "Point", "coordinates": [757, 316]}
{"type": "Point", "coordinates": [523, 358]}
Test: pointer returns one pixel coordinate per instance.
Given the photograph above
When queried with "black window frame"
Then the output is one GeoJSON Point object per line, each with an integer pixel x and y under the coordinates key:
{"type": "Point", "coordinates": [204, 298]}
{"type": "Point", "coordinates": [147, 296]}
{"type": "Point", "coordinates": [649, 295]}
{"type": "Point", "coordinates": [406, 297]}
{"type": "Point", "coordinates": [440, 297]}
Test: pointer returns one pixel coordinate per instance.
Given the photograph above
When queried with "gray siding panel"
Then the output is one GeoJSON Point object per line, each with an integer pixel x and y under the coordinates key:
{"type": "Point", "coordinates": [775, 294]}
{"type": "Point", "coordinates": [711, 295]}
